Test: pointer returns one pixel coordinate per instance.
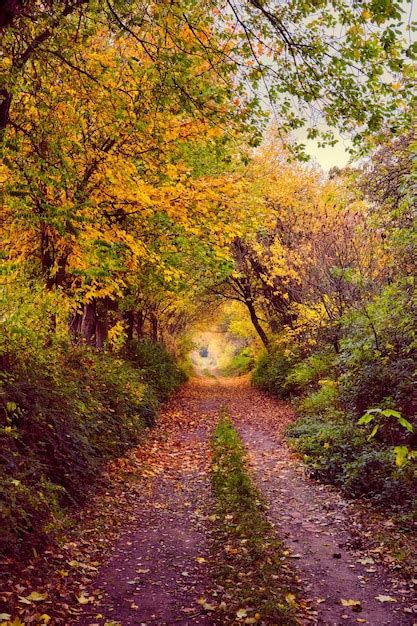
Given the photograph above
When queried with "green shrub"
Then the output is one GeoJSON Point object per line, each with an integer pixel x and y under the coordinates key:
{"type": "Point", "coordinates": [374, 474]}
{"type": "Point", "coordinates": [339, 452]}
{"type": "Point", "coordinates": [271, 371]}
{"type": "Point", "coordinates": [321, 401]}
{"type": "Point", "coordinates": [378, 352]}
{"type": "Point", "coordinates": [158, 366]}
{"type": "Point", "coordinates": [241, 363]}
{"type": "Point", "coordinates": [307, 373]}
{"type": "Point", "coordinates": [326, 445]}
{"type": "Point", "coordinates": [64, 410]}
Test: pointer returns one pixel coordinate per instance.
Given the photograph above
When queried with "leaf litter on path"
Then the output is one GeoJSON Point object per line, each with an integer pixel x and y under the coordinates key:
{"type": "Point", "coordinates": [152, 523]}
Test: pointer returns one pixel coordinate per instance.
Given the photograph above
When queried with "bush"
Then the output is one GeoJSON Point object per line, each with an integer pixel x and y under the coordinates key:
{"type": "Point", "coordinates": [159, 368]}
{"type": "Point", "coordinates": [320, 402]}
{"type": "Point", "coordinates": [378, 355]}
{"type": "Point", "coordinates": [306, 374]}
{"type": "Point", "coordinates": [374, 474]}
{"type": "Point", "coordinates": [339, 452]}
{"type": "Point", "coordinates": [271, 371]}
{"type": "Point", "coordinates": [326, 445]}
{"type": "Point", "coordinates": [241, 363]}
{"type": "Point", "coordinates": [64, 410]}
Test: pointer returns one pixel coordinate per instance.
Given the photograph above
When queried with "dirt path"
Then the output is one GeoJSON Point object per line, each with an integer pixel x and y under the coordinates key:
{"type": "Point", "coordinates": [161, 564]}
{"type": "Point", "coordinates": [157, 571]}
{"type": "Point", "coordinates": [317, 525]}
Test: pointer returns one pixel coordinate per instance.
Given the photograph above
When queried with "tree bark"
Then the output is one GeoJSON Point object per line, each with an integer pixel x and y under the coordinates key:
{"type": "Point", "coordinates": [88, 323]}
{"type": "Point", "coordinates": [129, 318]}
{"type": "Point", "coordinates": [154, 327]}
{"type": "Point", "coordinates": [139, 323]}
{"type": "Point", "coordinates": [256, 323]}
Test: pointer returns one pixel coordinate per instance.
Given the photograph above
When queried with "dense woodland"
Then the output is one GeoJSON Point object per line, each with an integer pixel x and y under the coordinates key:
{"type": "Point", "coordinates": [151, 179]}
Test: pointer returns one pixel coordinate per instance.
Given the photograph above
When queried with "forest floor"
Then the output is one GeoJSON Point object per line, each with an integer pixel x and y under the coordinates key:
{"type": "Point", "coordinates": [142, 551]}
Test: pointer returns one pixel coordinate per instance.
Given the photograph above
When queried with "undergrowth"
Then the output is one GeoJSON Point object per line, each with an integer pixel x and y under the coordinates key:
{"type": "Point", "coordinates": [334, 446]}
{"type": "Point", "coordinates": [242, 363]}
{"type": "Point", "coordinates": [64, 411]}
{"type": "Point", "coordinates": [254, 575]}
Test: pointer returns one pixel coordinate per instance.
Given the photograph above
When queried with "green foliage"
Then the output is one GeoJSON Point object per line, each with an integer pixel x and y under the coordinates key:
{"type": "Point", "coordinates": [271, 372]}
{"type": "Point", "coordinates": [247, 532]}
{"type": "Point", "coordinates": [326, 445]}
{"type": "Point", "coordinates": [241, 363]}
{"type": "Point", "coordinates": [160, 369]}
{"type": "Point", "coordinates": [64, 410]}
{"type": "Point", "coordinates": [339, 453]}
{"type": "Point", "coordinates": [309, 371]}
{"type": "Point", "coordinates": [321, 401]}
{"type": "Point", "coordinates": [377, 359]}
{"type": "Point", "coordinates": [371, 414]}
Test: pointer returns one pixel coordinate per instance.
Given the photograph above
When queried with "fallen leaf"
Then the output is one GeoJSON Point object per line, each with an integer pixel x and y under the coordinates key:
{"type": "Point", "coordinates": [201, 559]}
{"type": "Point", "coordinates": [382, 598]}
{"type": "Point", "coordinates": [24, 600]}
{"type": "Point", "coordinates": [241, 613]}
{"type": "Point", "coordinates": [84, 599]}
{"type": "Point", "coordinates": [354, 604]}
{"type": "Point", "coordinates": [208, 607]}
{"type": "Point", "coordinates": [366, 561]}
{"type": "Point", "coordinates": [33, 597]}
{"type": "Point", "coordinates": [290, 598]}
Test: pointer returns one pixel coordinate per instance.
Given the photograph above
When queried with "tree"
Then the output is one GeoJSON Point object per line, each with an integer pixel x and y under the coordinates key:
{"type": "Point", "coordinates": [337, 61]}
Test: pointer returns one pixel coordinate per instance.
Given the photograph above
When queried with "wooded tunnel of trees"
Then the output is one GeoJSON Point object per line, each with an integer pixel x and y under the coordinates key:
{"type": "Point", "coordinates": [154, 179]}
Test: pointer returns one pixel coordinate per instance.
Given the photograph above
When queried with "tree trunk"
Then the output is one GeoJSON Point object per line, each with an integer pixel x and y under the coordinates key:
{"type": "Point", "coordinates": [256, 323]}
{"type": "Point", "coordinates": [89, 323]}
{"type": "Point", "coordinates": [129, 318]}
{"type": "Point", "coordinates": [139, 323]}
{"type": "Point", "coordinates": [102, 326]}
{"type": "Point", "coordinates": [5, 102]}
{"type": "Point", "coordinates": [75, 327]}
{"type": "Point", "coordinates": [154, 327]}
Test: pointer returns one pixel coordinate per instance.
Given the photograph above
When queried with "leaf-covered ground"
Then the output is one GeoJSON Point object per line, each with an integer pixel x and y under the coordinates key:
{"type": "Point", "coordinates": [142, 553]}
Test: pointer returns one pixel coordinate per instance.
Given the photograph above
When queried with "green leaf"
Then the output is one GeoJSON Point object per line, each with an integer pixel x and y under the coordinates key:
{"type": "Point", "coordinates": [391, 413]}
{"type": "Point", "coordinates": [374, 432]}
{"type": "Point", "coordinates": [401, 455]}
{"type": "Point", "coordinates": [366, 418]}
{"type": "Point", "coordinates": [405, 423]}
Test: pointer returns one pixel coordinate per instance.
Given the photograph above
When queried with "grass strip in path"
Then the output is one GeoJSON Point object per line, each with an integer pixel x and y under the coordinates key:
{"type": "Point", "coordinates": [256, 580]}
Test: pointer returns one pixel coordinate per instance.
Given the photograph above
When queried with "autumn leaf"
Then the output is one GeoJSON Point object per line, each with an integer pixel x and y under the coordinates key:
{"type": "Point", "coordinates": [34, 596]}
{"type": "Point", "coordinates": [290, 598]}
{"type": "Point", "coordinates": [83, 598]}
{"type": "Point", "coordinates": [208, 607]}
{"type": "Point", "coordinates": [382, 598]}
{"type": "Point", "coordinates": [354, 604]}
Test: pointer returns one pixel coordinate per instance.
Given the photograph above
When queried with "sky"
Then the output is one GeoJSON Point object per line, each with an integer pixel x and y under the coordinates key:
{"type": "Point", "coordinates": [330, 156]}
